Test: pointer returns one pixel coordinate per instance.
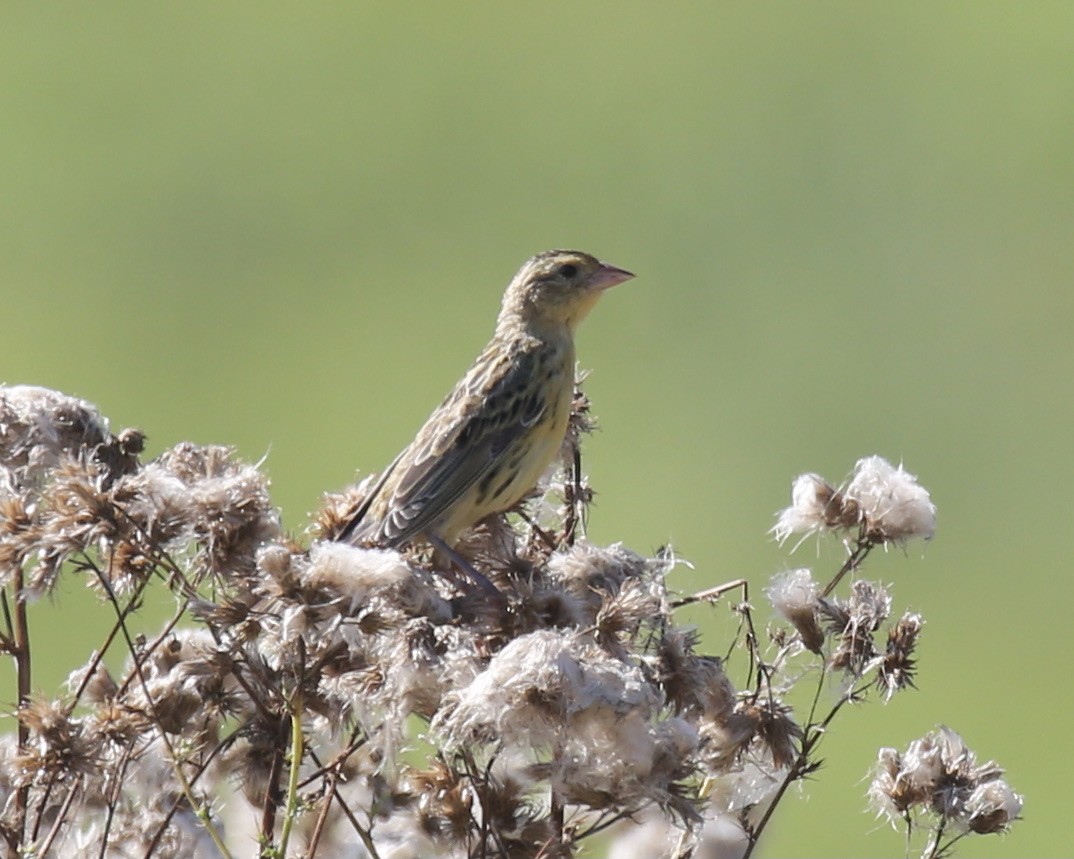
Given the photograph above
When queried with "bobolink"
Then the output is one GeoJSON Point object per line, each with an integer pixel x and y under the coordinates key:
{"type": "Point", "coordinates": [490, 440]}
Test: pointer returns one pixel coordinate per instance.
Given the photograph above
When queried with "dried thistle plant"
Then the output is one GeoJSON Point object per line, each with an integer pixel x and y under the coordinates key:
{"type": "Point", "coordinates": [936, 785]}
{"type": "Point", "coordinates": [320, 699]}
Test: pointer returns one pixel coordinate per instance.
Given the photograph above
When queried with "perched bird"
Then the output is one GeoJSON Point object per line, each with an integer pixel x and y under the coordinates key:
{"type": "Point", "coordinates": [490, 440]}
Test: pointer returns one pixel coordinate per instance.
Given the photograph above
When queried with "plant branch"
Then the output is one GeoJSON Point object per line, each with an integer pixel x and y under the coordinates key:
{"type": "Point", "coordinates": [23, 667]}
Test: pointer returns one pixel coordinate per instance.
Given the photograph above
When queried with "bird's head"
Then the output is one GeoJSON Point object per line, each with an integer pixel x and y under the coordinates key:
{"type": "Point", "coordinates": [557, 288]}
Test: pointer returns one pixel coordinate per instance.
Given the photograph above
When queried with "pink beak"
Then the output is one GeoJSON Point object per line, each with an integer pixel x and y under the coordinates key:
{"type": "Point", "coordinates": [608, 276]}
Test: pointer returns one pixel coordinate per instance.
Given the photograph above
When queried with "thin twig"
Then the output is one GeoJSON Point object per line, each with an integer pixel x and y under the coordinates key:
{"type": "Point", "coordinates": [811, 738]}
{"type": "Point", "coordinates": [61, 816]}
{"type": "Point", "coordinates": [576, 503]}
{"type": "Point", "coordinates": [173, 758]}
{"type": "Point", "coordinates": [753, 648]}
{"type": "Point", "coordinates": [861, 551]}
{"type": "Point", "coordinates": [357, 740]}
{"type": "Point", "coordinates": [113, 801]}
{"type": "Point", "coordinates": [711, 595]}
{"type": "Point", "coordinates": [364, 834]}
{"type": "Point", "coordinates": [268, 808]}
{"type": "Point", "coordinates": [9, 637]}
{"type": "Point", "coordinates": [155, 840]}
{"type": "Point", "coordinates": [21, 641]}
{"type": "Point", "coordinates": [43, 804]}
{"type": "Point", "coordinates": [537, 530]}
{"type": "Point", "coordinates": [557, 815]}
{"type": "Point", "coordinates": [322, 815]}
{"type": "Point", "coordinates": [98, 654]}
{"type": "Point", "coordinates": [159, 554]}
{"type": "Point", "coordinates": [147, 651]}
{"type": "Point", "coordinates": [480, 784]}
{"type": "Point", "coordinates": [949, 847]}
{"type": "Point", "coordinates": [608, 819]}
{"type": "Point", "coordinates": [932, 848]}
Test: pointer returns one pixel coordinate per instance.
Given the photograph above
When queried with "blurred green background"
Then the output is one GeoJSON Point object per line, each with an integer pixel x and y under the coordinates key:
{"type": "Point", "coordinates": [286, 227]}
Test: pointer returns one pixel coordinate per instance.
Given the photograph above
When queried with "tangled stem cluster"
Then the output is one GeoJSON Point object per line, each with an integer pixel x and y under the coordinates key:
{"type": "Point", "coordinates": [323, 699]}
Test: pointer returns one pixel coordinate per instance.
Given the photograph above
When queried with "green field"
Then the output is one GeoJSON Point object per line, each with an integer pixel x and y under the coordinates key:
{"type": "Point", "coordinates": [286, 227]}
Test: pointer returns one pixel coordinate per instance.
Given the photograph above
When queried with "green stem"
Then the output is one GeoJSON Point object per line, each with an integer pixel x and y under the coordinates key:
{"type": "Point", "coordinates": [297, 753]}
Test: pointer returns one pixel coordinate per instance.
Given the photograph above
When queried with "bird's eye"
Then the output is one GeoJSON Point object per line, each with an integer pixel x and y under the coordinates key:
{"type": "Point", "coordinates": [568, 270]}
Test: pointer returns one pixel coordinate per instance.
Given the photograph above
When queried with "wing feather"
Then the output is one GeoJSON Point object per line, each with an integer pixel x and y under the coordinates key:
{"type": "Point", "coordinates": [466, 438]}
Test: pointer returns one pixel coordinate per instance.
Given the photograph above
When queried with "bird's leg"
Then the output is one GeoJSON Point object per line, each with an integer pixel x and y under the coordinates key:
{"type": "Point", "coordinates": [467, 568]}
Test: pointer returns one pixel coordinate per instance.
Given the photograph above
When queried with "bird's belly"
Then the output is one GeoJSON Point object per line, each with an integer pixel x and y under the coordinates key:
{"type": "Point", "coordinates": [514, 476]}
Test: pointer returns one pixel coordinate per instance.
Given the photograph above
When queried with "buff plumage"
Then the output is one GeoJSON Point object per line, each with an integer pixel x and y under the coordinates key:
{"type": "Point", "coordinates": [489, 441]}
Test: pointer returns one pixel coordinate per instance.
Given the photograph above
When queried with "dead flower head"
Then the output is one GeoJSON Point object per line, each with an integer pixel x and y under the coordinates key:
{"type": "Point", "coordinates": [794, 596]}
{"type": "Point", "coordinates": [885, 501]}
{"type": "Point", "coordinates": [938, 777]}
